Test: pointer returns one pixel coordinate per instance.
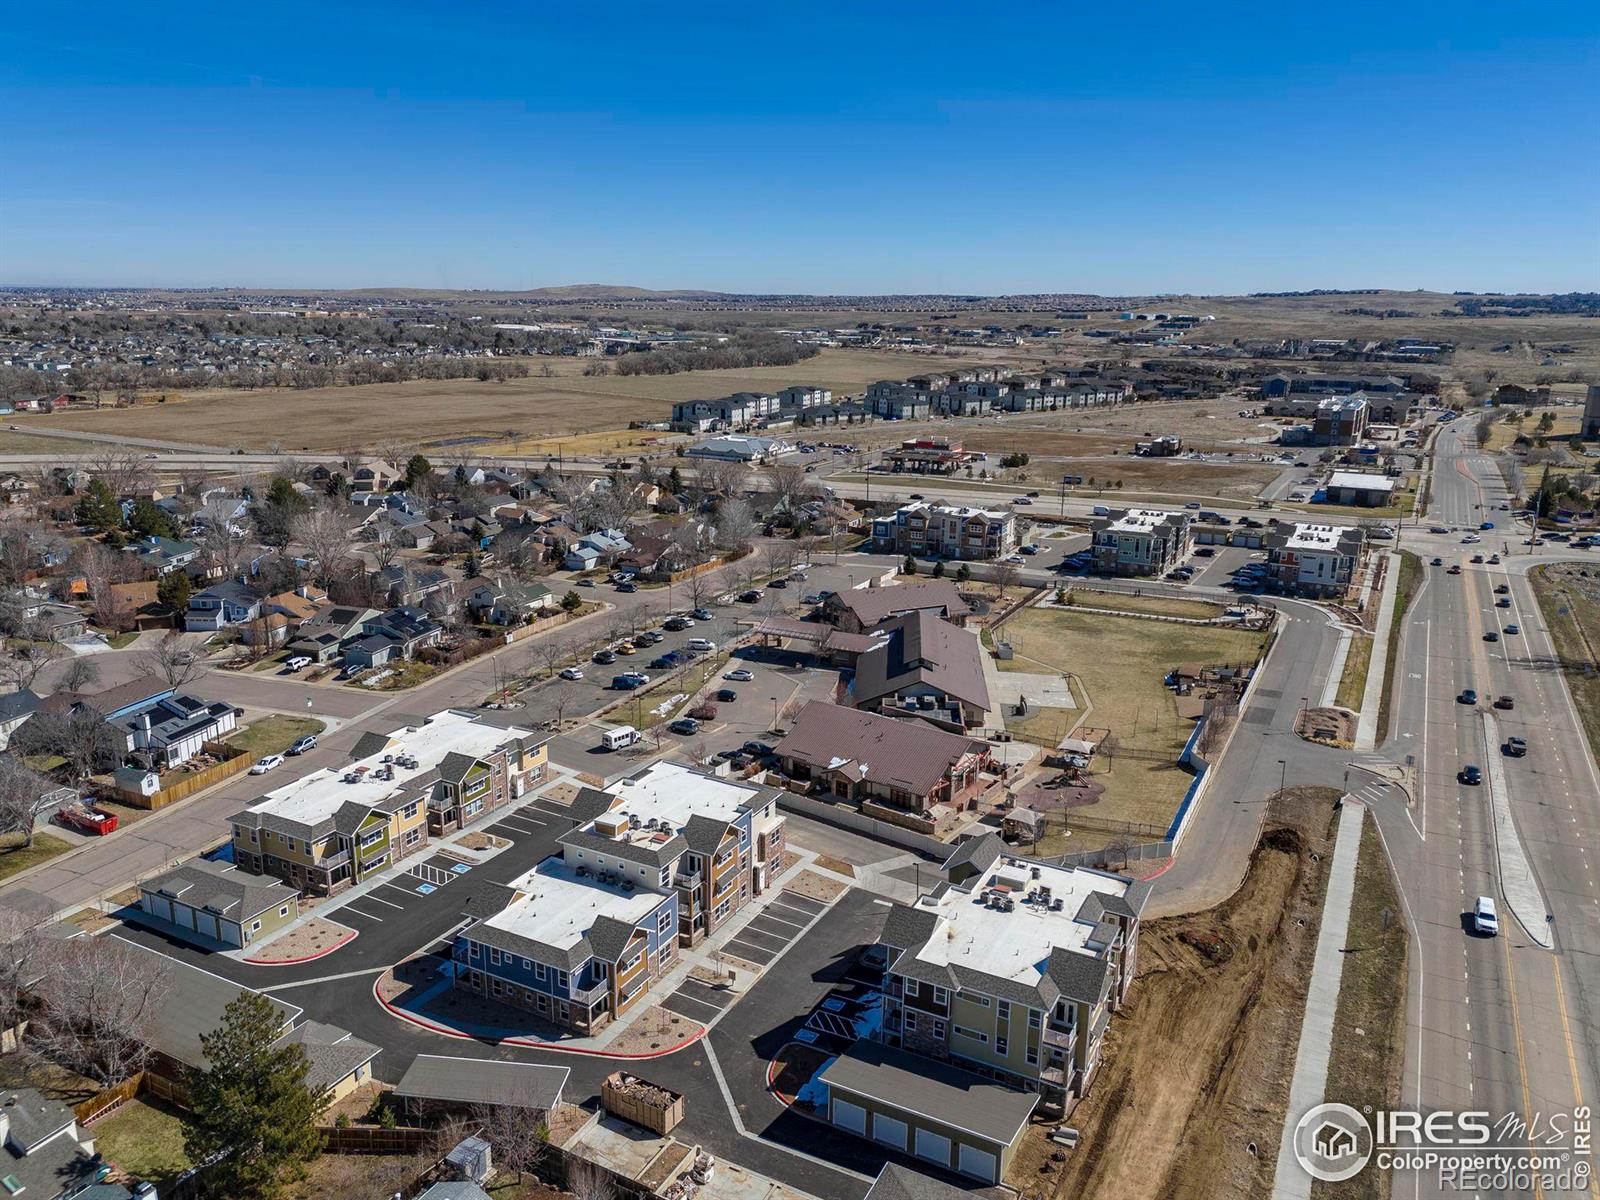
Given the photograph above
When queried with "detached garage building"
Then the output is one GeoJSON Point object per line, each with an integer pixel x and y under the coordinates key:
{"type": "Point", "coordinates": [211, 902]}
{"type": "Point", "coordinates": [930, 1110]}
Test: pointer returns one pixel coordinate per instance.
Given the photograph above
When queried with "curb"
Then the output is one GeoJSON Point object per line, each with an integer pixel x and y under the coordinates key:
{"type": "Point", "coordinates": [526, 1043]}
{"type": "Point", "coordinates": [290, 962]}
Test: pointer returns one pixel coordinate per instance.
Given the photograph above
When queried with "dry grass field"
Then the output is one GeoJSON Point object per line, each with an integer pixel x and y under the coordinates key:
{"type": "Point", "coordinates": [533, 408]}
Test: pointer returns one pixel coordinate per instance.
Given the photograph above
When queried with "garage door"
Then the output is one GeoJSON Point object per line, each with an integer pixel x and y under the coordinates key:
{"type": "Point", "coordinates": [980, 1164]}
{"type": "Point", "coordinates": [933, 1147]}
{"type": "Point", "coordinates": [850, 1116]}
{"type": "Point", "coordinates": [889, 1131]}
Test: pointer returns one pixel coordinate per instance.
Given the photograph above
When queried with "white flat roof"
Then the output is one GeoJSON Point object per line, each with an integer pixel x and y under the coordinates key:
{"type": "Point", "coordinates": [559, 908]}
{"type": "Point", "coordinates": [1315, 537]}
{"type": "Point", "coordinates": [1361, 479]}
{"type": "Point", "coordinates": [316, 797]}
{"type": "Point", "coordinates": [672, 792]}
{"type": "Point", "coordinates": [1140, 520]}
{"type": "Point", "coordinates": [1013, 945]}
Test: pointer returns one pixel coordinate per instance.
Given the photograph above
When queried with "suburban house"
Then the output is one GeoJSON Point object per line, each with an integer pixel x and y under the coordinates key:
{"type": "Point", "coordinates": [212, 902]}
{"type": "Point", "coordinates": [403, 584]}
{"type": "Point", "coordinates": [335, 827]}
{"type": "Point", "coordinates": [43, 1151]}
{"type": "Point", "coordinates": [161, 726]}
{"type": "Point", "coordinates": [921, 666]}
{"type": "Point", "coordinates": [1364, 489]}
{"type": "Point", "coordinates": [1140, 541]}
{"type": "Point", "coordinates": [595, 549]}
{"type": "Point", "coordinates": [928, 529]}
{"type": "Point", "coordinates": [660, 861]}
{"type": "Point", "coordinates": [323, 637]}
{"type": "Point", "coordinates": [506, 602]}
{"type": "Point", "coordinates": [861, 609]}
{"type": "Point", "coordinates": [394, 635]}
{"type": "Point", "coordinates": [403, 528]}
{"type": "Point", "coordinates": [1008, 971]}
{"type": "Point", "coordinates": [15, 709]}
{"type": "Point", "coordinates": [283, 615]}
{"type": "Point", "coordinates": [221, 605]}
{"type": "Point", "coordinates": [1313, 560]}
{"type": "Point", "coordinates": [374, 477]}
{"type": "Point", "coordinates": [164, 554]}
{"type": "Point", "coordinates": [906, 765]}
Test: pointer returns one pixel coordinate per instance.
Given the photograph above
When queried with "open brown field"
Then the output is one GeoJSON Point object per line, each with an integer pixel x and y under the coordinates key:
{"type": "Point", "coordinates": [338, 417]}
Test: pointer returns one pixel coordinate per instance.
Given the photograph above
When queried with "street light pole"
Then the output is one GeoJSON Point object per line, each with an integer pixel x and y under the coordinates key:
{"type": "Point", "coordinates": [1283, 776]}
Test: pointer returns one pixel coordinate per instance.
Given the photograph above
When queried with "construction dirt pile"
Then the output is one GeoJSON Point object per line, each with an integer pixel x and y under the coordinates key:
{"type": "Point", "coordinates": [1195, 1078]}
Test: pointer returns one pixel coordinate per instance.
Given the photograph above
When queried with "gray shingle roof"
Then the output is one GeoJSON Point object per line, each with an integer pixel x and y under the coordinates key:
{"type": "Point", "coordinates": [705, 834]}
{"type": "Point", "coordinates": [933, 1089]}
{"type": "Point", "coordinates": [895, 1182]}
{"type": "Point", "coordinates": [333, 1053]}
{"type": "Point", "coordinates": [1077, 976]}
{"type": "Point", "coordinates": [234, 894]}
{"type": "Point", "coordinates": [482, 1081]}
{"type": "Point", "coordinates": [907, 927]}
{"type": "Point", "coordinates": [609, 938]}
{"type": "Point", "coordinates": [979, 853]}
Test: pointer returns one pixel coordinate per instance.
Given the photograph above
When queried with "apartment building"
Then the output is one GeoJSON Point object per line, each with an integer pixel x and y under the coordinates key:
{"type": "Point", "coordinates": [1141, 541]}
{"type": "Point", "coordinates": [1286, 384]}
{"type": "Point", "coordinates": [1340, 420]}
{"type": "Point", "coordinates": [929, 528]}
{"type": "Point", "coordinates": [1012, 967]}
{"type": "Point", "coordinates": [662, 860]}
{"type": "Point", "coordinates": [1312, 560]}
{"type": "Point", "coordinates": [729, 412]}
{"type": "Point", "coordinates": [1591, 412]}
{"type": "Point", "coordinates": [335, 827]}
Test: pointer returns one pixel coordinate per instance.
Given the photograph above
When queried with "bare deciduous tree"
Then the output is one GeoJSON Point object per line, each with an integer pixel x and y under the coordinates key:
{"type": "Point", "coordinates": [323, 531]}
{"type": "Point", "coordinates": [590, 1181]}
{"type": "Point", "coordinates": [735, 524]}
{"type": "Point", "coordinates": [20, 789]}
{"type": "Point", "coordinates": [171, 660]}
{"type": "Point", "coordinates": [518, 1134]}
{"type": "Point", "coordinates": [98, 997]}
{"type": "Point", "coordinates": [80, 674]}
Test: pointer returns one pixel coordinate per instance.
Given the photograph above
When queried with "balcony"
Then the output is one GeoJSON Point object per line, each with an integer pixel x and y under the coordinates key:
{"type": "Point", "coordinates": [688, 880]}
{"type": "Point", "coordinates": [329, 862]}
{"type": "Point", "coordinates": [1059, 1036]}
{"type": "Point", "coordinates": [587, 996]}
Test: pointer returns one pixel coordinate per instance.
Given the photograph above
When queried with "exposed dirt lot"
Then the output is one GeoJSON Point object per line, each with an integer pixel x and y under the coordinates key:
{"type": "Point", "coordinates": [1195, 1066]}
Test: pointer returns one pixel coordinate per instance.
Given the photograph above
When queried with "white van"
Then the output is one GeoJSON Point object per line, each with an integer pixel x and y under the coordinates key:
{"type": "Point", "coordinates": [704, 645]}
{"type": "Point", "coordinates": [1100, 510]}
{"type": "Point", "coordinates": [616, 739]}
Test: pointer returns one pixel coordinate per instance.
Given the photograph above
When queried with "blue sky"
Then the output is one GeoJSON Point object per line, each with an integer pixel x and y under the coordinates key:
{"type": "Point", "coordinates": [803, 147]}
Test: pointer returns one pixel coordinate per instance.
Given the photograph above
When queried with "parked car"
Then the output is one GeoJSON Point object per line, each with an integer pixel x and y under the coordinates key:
{"type": "Point", "coordinates": [750, 595]}
{"type": "Point", "coordinates": [701, 614]}
{"type": "Point", "coordinates": [778, 583]}
{"type": "Point", "coordinates": [627, 585]}
{"type": "Point", "coordinates": [605, 657]}
{"type": "Point", "coordinates": [685, 726]}
{"type": "Point", "coordinates": [1470, 775]}
{"type": "Point", "coordinates": [725, 696]}
{"type": "Point", "coordinates": [298, 663]}
{"type": "Point", "coordinates": [263, 765]}
{"type": "Point", "coordinates": [739, 675]}
{"type": "Point", "coordinates": [1485, 920]}
{"type": "Point", "coordinates": [813, 598]}
{"type": "Point", "coordinates": [303, 744]}
{"type": "Point", "coordinates": [757, 749]}
{"type": "Point", "coordinates": [626, 648]}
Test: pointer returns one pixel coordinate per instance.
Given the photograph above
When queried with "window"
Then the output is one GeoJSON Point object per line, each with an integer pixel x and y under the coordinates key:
{"type": "Point", "coordinates": [538, 970]}
{"type": "Point", "coordinates": [1035, 1018]}
{"type": "Point", "coordinates": [1002, 1046]}
{"type": "Point", "coordinates": [527, 964]}
{"type": "Point", "coordinates": [1002, 1010]}
{"type": "Point", "coordinates": [284, 911]}
{"type": "Point", "coordinates": [494, 957]}
{"type": "Point", "coordinates": [1032, 1056]}
{"type": "Point", "coordinates": [254, 925]}
{"type": "Point", "coordinates": [290, 843]}
{"type": "Point", "coordinates": [938, 1030]}
{"type": "Point", "coordinates": [409, 810]}
{"type": "Point", "coordinates": [974, 998]}
{"type": "Point", "coordinates": [664, 921]}
{"type": "Point", "coordinates": [974, 1034]}
{"type": "Point", "coordinates": [561, 980]}
{"type": "Point", "coordinates": [940, 995]}
{"type": "Point", "coordinates": [911, 1022]}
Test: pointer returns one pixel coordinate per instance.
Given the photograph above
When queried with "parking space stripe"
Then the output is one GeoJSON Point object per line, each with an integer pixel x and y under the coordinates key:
{"type": "Point", "coordinates": [769, 915]}
{"type": "Point", "coordinates": [688, 1003]}
{"type": "Point", "coordinates": [718, 999]}
{"type": "Point", "coordinates": [359, 913]}
{"type": "Point", "coordinates": [756, 954]}
{"type": "Point", "coordinates": [750, 930]}
{"type": "Point", "coordinates": [776, 929]}
{"type": "Point", "coordinates": [380, 900]}
{"type": "Point", "coordinates": [404, 891]}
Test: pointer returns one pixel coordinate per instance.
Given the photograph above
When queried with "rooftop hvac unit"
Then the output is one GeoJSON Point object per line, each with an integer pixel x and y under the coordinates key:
{"type": "Point", "coordinates": [1033, 872]}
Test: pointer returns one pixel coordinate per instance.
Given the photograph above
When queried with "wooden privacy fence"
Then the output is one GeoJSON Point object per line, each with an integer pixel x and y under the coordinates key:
{"type": "Point", "coordinates": [234, 761]}
{"type": "Point", "coordinates": [99, 1104]}
{"type": "Point", "coordinates": [365, 1139]}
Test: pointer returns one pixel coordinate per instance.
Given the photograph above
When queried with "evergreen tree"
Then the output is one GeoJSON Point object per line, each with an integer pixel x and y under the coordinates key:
{"type": "Point", "coordinates": [963, 573]}
{"type": "Point", "coordinates": [909, 567]}
{"type": "Point", "coordinates": [675, 481]}
{"type": "Point", "coordinates": [938, 569]}
{"type": "Point", "coordinates": [253, 1110]}
{"type": "Point", "coordinates": [149, 519]}
{"type": "Point", "coordinates": [418, 467]}
{"type": "Point", "coordinates": [174, 590]}
{"type": "Point", "coordinates": [571, 601]}
{"type": "Point", "coordinates": [98, 508]}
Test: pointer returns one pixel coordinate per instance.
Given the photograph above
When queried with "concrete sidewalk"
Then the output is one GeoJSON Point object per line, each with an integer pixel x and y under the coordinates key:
{"type": "Point", "coordinates": [1309, 1086]}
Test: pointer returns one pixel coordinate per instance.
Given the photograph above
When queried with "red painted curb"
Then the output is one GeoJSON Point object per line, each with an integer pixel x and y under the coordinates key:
{"type": "Point", "coordinates": [529, 1043]}
{"type": "Point", "coordinates": [289, 962]}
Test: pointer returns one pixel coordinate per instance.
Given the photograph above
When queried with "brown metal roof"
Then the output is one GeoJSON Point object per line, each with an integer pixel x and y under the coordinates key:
{"type": "Point", "coordinates": [881, 750]}
{"type": "Point", "coordinates": [918, 649]}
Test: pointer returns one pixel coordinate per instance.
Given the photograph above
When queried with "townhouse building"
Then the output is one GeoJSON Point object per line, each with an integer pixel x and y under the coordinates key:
{"type": "Point", "coordinates": [929, 528]}
{"type": "Point", "coordinates": [1012, 968]}
{"type": "Point", "coordinates": [1140, 541]}
{"type": "Point", "coordinates": [1340, 420]}
{"type": "Point", "coordinates": [660, 861]}
{"type": "Point", "coordinates": [333, 828]}
{"type": "Point", "coordinates": [733, 412]}
{"type": "Point", "coordinates": [1312, 560]}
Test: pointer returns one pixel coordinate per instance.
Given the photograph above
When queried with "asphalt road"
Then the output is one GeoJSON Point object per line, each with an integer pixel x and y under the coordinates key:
{"type": "Point", "coordinates": [1496, 1024]}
